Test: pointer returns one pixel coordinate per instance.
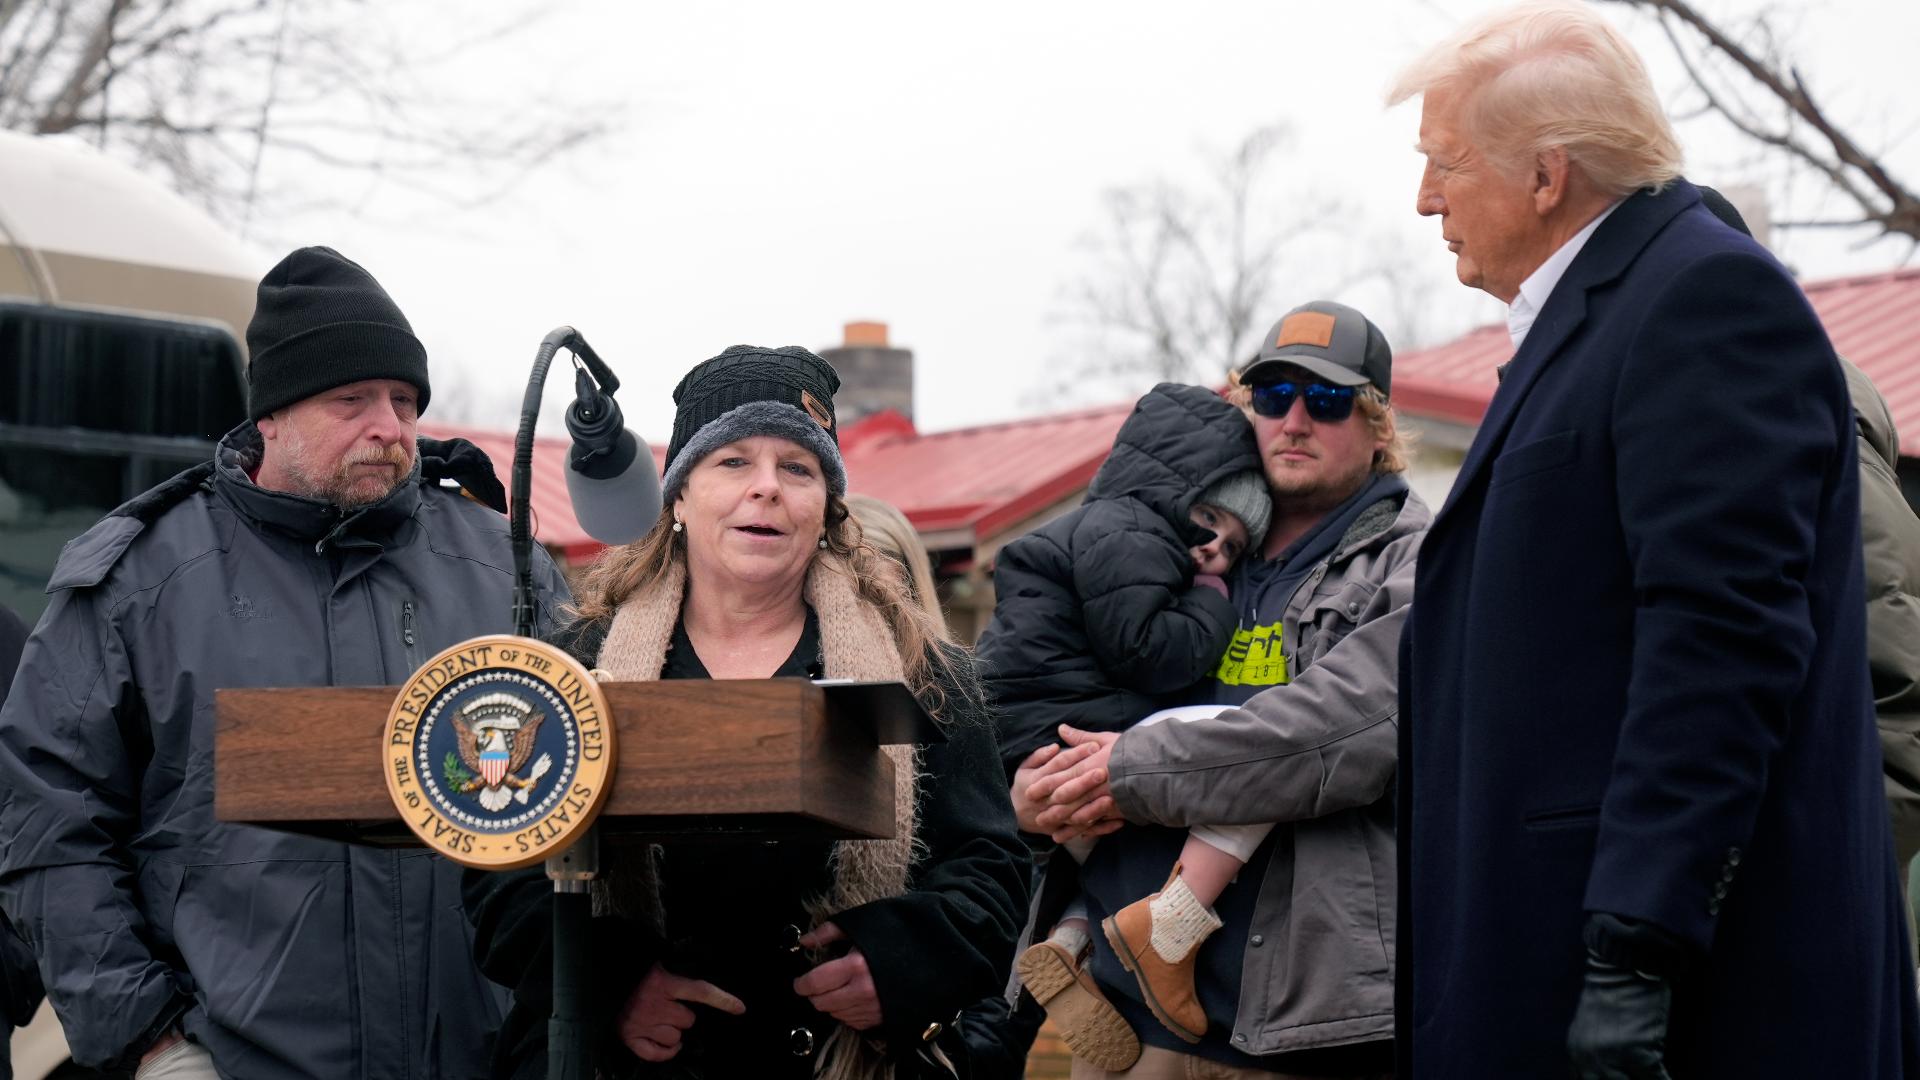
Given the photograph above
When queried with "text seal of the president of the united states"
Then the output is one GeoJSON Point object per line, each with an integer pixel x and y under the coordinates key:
{"type": "Point", "coordinates": [498, 751]}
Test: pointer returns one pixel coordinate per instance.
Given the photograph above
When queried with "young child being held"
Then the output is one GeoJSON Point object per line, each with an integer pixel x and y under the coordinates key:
{"type": "Point", "coordinates": [1178, 918]}
{"type": "Point", "coordinates": [1111, 613]}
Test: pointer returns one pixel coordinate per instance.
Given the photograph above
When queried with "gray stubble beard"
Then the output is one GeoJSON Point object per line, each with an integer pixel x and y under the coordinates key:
{"type": "Point", "coordinates": [338, 489]}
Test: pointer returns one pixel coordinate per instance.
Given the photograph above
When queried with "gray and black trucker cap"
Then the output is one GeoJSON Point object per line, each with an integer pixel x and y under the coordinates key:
{"type": "Point", "coordinates": [1333, 341]}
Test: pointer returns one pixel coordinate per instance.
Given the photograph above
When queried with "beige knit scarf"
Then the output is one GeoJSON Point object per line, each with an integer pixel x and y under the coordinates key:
{"type": "Point", "coordinates": [857, 645]}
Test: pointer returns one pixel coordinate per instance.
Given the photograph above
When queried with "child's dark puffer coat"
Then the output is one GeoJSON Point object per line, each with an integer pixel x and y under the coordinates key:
{"type": "Point", "coordinates": [1097, 620]}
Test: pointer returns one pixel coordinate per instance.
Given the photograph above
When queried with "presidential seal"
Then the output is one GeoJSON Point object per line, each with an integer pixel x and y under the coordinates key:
{"type": "Point", "coordinates": [499, 752]}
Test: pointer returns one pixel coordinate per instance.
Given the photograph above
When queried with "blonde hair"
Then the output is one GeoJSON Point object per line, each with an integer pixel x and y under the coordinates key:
{"type": "Point", "coordinates": [888, 530]}
{"type": "Point", "coordinates": [1552, 74]}
{"type": "Point", "coordinates": [1396, 451]}
{"type": "Point", "coordinates": [623, 572]}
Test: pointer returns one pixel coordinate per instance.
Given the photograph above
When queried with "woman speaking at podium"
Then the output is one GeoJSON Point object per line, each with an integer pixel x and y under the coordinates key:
{"type": "Point", "coordinates": [796, 958]}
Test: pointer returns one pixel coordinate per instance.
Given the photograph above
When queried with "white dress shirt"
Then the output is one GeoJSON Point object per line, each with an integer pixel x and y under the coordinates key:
{"type": "Point", "coordinates": [1539, 284]}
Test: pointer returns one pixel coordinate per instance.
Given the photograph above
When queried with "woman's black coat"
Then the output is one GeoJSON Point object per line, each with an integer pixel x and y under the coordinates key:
{"type": "Point", "coordinates": [1096, 616]}
{"type": "Point", "coordinates": [945, 944]}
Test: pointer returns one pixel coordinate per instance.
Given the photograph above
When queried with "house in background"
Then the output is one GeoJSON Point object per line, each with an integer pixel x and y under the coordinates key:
{"type": "Point", "coordinates": [971, 490]}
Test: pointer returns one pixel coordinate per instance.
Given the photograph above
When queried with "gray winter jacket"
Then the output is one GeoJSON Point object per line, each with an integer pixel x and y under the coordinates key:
{"type": "Point", "coordinates": [1317, 755]}
{"type": "Point", "coordinates": [285, 956]}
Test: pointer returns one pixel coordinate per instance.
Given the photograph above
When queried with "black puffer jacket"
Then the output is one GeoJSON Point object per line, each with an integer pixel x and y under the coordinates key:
{"type": "Point", "coordinates": [1097, 618]}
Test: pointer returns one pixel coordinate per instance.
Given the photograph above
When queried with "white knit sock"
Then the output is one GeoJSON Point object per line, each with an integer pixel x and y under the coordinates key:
{"type": "Point", "coordinates": [1180, 921]}
{"type": "Point", "coordinates": [1072, 936]}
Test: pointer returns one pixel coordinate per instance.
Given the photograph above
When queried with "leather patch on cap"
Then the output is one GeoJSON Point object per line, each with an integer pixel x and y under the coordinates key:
{"type": "Point", "coordinates": [816, 410]}
{"type": "Point", "coordinates": [1306, 328]}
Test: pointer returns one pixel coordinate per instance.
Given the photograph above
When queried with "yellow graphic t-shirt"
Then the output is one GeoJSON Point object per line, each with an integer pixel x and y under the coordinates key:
{"type": "Point", "coordinates": [1256, 657]}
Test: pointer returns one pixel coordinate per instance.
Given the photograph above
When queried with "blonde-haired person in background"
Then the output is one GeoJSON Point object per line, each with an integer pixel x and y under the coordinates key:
{"type": "Point", "coordinates": [889, 531]}
{"type": "Point", "coordinates": [1640, 813]}
{"type": "Point", "coordinates": [997, 1042]}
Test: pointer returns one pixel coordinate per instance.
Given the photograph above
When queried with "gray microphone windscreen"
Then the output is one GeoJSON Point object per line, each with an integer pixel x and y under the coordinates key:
{"type": "Point", "coordinates": [620, 509]}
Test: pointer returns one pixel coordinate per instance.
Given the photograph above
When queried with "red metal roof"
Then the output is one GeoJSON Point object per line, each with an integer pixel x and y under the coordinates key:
{"type": "Point", "coordinates": [553, 522]}
{"type": "Point", "coordinates": [982, 479]}
{"type": "Point", "coordinates": [979, 479]}
{"type": "Point", "coordinates": [1873, 320]}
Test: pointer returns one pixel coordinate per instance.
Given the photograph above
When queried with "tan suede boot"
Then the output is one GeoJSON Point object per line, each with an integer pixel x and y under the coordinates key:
{"type": "Point", "coordinates": [1166, 984]}
{"type": "Point", "coordinates": [1094, 1030]}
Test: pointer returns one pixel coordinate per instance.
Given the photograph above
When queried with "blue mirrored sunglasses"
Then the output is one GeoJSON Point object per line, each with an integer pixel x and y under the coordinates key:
{"type": "Point", "coordinates": [1325, 402]}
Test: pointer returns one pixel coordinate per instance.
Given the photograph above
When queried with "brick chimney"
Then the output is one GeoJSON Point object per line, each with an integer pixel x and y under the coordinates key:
{"type": "Point", "coordinates": [873, 374]}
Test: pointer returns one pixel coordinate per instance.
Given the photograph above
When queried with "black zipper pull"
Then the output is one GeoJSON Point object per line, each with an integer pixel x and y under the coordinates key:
{"type": "Point", "coordinates": [406, 622]}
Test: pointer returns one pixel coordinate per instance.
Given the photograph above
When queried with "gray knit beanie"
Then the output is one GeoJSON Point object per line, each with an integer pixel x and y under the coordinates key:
{"type": "Point", "coordinates": [749, 390]}
{"type": "Point", "coordinates": [1245, 496]}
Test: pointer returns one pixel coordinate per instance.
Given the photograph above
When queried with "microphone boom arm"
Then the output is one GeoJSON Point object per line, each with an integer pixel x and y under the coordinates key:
{"type": "Point", "coordinates": [520, 507]}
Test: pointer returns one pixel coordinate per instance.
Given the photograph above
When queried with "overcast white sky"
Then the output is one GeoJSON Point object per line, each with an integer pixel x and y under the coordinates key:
{"type": "Point", "coordinates": [783, 168]}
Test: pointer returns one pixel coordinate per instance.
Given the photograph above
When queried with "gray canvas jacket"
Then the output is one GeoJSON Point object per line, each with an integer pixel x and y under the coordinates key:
{"type": "Point", "coordinates": [285, 956]}
{"type": "Point", "coordinates": [1317, 755]}
{"type": "Point", "coordinates": [1891, 534]}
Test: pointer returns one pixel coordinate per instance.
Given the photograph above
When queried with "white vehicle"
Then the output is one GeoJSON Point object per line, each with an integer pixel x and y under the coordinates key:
{"type": "Point", "coordinates": [122, 311]}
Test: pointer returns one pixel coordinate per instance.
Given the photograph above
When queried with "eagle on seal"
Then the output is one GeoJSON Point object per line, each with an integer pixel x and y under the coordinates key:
{"type": "Point", "coordinates": [496, 734]}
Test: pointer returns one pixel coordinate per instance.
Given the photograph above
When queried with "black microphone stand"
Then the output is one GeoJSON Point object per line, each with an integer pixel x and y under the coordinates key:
{"type": "Point", "coordinates": [564, 337]}
{"type": "Point", "coordinates": [570, 1049]}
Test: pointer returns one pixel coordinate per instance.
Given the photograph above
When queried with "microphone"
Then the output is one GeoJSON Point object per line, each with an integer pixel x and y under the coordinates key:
{"type": "Point", "coordinates": [610, 477]}
{"type": "Point", "coordinates": [616, 498]}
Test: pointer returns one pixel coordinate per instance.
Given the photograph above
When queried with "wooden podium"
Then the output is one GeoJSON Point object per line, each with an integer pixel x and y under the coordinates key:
{"type": "Point", "coordinates": [777, 758]}
{"type": "Point", "coordinates": [766, 758]}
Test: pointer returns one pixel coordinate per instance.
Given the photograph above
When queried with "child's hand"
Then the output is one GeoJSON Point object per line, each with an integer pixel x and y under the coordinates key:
{"type": "Point", "coordinates": [1212, 581]}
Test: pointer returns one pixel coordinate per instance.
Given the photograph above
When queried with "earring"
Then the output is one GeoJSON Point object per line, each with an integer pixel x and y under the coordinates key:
{"type": "Point", "coordinates": [677, 527]}
{"type": "Point", "coordinates": [823, 543]}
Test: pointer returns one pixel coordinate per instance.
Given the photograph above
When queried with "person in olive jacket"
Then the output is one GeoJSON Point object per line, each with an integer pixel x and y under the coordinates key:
{"type": "Point", "coordinates": [1890, 534]}
{"type": "Point", "coordinates": [1890, 537]}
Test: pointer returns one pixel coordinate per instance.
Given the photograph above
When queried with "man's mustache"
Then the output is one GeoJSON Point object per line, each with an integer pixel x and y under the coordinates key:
{"type": "Point", "coordinates": [395, 454]}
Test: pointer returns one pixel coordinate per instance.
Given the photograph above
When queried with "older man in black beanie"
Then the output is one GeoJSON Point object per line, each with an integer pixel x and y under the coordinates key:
{"type": "Point", "coordinates": [318, 548]}
{"type": "Point", "coordinates": [336, 383]}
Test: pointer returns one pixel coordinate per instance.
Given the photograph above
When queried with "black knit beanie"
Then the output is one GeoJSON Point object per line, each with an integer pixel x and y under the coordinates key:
{"type": "Point", "coordinates": [746, 391]}
{"type": "Point", "coordinates": [321, 321]}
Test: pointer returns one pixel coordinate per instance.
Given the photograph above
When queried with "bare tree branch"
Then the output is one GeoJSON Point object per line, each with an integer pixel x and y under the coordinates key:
{"type": "Point", "coordinates": [251, 105]}
{"type": "Point", "coordinates": [1884, 201]}
{"type": "Point", "coordinates": [267, 103]}
{"type": "Point", "coordinates": [1179, 278]}
{"type": "Point", "coordinates": [87, 77]}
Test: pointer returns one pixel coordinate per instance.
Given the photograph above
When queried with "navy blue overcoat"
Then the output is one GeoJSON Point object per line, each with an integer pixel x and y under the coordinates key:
{"type": "Point", "coordinates": [1634, 680]}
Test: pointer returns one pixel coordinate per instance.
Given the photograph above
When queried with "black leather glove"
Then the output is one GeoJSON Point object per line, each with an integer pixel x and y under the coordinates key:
{"type": "Point", "coordinates": [1619, 1029]}
{"type": "Point", "coordinates": [466, 464]}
